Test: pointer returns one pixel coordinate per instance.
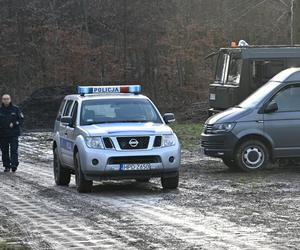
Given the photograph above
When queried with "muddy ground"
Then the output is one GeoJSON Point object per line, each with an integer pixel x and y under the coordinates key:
{"type": "Point", "coordinates": [212, 209]}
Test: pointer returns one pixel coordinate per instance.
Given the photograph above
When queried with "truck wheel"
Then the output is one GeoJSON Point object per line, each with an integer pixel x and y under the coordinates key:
{"type": "Point", "coordinates": [82, 185]}
{"type": "Point", "coordinates": [252, 155]}
{"type": "Point", "coordinates": [62, 176]}
{"type": "Point", "coordinates": [231, 164]}
{"type": "Point", "coordinates": [170, 182]}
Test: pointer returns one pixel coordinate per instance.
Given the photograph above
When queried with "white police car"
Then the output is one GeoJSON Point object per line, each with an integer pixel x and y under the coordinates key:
{"type": "Point", "coordinates": [113, 132]}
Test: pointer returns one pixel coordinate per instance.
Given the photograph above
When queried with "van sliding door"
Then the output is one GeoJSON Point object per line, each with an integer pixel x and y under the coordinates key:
{"type": "Point", "coordinates": [283, 126]}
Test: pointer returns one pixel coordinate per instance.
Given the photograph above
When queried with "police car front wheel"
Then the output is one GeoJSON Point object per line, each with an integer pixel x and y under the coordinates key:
{"type": "Point", "coordinates": [252, 155]}
{"type": "Point", "coordinates": [62, 175]}
{"type": "Point", "coordinates": [170, 182]}
{"type": "Point", "coordinates": [82, 185]}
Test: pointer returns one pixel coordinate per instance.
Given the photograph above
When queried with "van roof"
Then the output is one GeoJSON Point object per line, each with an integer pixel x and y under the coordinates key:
{"type": "Point", "coordinates": [288, 75]}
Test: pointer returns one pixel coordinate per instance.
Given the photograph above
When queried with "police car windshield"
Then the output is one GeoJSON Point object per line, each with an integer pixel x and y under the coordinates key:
{"type": "Point", "coordinates": [259, 95]}
{"type": "Point", "coordinates": [118, 111]}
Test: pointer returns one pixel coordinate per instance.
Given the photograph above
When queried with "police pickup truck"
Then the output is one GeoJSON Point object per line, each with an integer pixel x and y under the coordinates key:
{"type": "Point", "coordinates": [113, 132]}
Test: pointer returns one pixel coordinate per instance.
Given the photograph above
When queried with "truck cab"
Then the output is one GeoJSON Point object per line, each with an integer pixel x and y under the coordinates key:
{"type": "Point", "coordinates": [241, 70]}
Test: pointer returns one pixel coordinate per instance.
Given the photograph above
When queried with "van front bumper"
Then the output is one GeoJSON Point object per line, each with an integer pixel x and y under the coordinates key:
{"type": "Point", "coordinates": [219, 145]}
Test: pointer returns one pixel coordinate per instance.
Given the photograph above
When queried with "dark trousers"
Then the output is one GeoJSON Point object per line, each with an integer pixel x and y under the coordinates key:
{"type": "Point", "coordinates": [9, 147]}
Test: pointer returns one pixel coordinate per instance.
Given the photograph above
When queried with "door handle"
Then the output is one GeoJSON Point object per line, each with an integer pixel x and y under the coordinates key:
{"type": "Point", "coordinates": [260, 121]}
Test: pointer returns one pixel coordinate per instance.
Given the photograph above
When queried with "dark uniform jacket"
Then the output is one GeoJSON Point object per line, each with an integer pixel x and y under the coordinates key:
{"type": "Point", "coordinates": [8, 115]}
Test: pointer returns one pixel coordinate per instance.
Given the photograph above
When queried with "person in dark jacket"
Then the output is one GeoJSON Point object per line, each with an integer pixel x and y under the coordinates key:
{"type": "Point", "coordinates": [11, 120]}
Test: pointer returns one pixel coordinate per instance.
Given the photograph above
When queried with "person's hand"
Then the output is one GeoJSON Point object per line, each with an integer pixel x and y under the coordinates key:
{"type": "Point", "coordinates": [11, 125]}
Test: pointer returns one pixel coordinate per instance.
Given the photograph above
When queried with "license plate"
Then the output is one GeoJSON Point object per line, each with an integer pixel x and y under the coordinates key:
{"type": "Point", "coordinates": [137, 166]}
{"type": "Point", "coordinates": [212, 97]}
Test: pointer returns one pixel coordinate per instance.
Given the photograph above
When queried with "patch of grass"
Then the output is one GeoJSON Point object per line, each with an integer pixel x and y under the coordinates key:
{"type": "Point", "coordinates": [2, 245]}
{"type": "Point", "coordinates": [188, 134]}
{"type": "Point", "coordinates": [5, 246]}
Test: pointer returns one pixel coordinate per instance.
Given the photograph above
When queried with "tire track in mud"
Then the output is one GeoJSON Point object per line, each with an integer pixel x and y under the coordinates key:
{"type": "Point", "coordinates": [194, 230]}
{"type": "Point", "coordinates": [129, 220]}
{"type": "Point", "coordinates": [28, 172]}
{"type": "Point", "coordinates": [56, 224]}
{"type": "Point", "coordinates": [128, 231]}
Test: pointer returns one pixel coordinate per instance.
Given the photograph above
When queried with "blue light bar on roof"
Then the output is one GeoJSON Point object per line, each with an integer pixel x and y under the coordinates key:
{"type": "Point", "coordinates": [82, 90]}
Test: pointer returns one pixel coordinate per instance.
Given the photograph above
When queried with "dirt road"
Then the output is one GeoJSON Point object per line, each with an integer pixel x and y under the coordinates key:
{"type": "Point", "coordinates": [213, 208]}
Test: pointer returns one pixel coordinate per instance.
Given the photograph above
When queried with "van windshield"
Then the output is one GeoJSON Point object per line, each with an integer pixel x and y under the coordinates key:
{"type": "Point", "coordinates": [259, 95]}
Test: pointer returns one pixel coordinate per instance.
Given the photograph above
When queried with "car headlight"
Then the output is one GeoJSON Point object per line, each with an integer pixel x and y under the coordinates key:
{"type": "Point", "coordinates": [168, 140]}
{"type": "Point", "coordinates": [94, 142]}
{"type": "Point", "coordinates": [222, 127]}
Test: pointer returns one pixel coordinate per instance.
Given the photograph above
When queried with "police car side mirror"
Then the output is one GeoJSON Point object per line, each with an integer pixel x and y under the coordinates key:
{"type": "Point", "coordinates": [169, 117]}
{"type": "Point", "coordinates": [271, 107]}
{"type": "Point", "coordinates": [66, 120]}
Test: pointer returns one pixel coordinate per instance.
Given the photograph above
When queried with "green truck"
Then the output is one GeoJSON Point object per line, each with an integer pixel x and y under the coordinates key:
{"type": "Point", "coordinates": [240, 70]}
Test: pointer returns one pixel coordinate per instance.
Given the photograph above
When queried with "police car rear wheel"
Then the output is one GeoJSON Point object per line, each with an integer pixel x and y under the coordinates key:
{"type": "Point", "coordinates": [82, 185]}
{"type": "Point", "coordinates": [252, 155]}
{"type": "Point", "coordinates": [170, 182]}
{"type": "Point", "coordinates": [62, 175]}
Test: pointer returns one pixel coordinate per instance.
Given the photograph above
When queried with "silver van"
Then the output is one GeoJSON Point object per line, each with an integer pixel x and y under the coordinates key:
{"type": "Point", "coordinates": [265, 126]}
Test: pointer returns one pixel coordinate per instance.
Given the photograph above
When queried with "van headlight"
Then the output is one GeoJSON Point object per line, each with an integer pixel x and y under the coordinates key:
{"type": "Point", "coordinates": [94, 142]}
{"type": "Point", "coordinates": [222, 127]}
{"type": "Point", "coordinates": [168, 140]}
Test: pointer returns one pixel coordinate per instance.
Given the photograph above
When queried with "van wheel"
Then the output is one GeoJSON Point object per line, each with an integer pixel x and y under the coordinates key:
{"type": "Point", "coordinates": [252, 155]}
{"type": "Point", "coordinates": [170, 182]}
{"type": "Point", "coordinates": [231, 164]}
{"type": "Point", "coordinates": [62, 176]}
{"type": "Point", "coordinates": [82, 185]}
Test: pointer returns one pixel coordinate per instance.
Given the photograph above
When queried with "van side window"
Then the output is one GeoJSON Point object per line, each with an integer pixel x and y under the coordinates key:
{"type": "Point", "coordinates": [68, 108]}
{"type": "Point", "coordinates": [263, 71]}
{"type": "Point", "coordinates": [288, 99]}
{"type": "Point", "coordinates": [60, 110]}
